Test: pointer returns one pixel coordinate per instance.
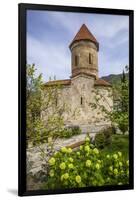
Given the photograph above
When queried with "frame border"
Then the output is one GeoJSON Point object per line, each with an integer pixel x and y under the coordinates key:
{"type": "Point", "coordinates": [22, 16]}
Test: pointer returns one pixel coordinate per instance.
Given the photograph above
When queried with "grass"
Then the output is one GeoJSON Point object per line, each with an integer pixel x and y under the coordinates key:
{"type": "Point", "coordinates": [119, 143]}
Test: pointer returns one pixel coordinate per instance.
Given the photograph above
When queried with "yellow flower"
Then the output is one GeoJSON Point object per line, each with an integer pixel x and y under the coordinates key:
{"type": "Point", "coordinates": [96, 151]}
{"type": "Point", "coordinates": [120, 164]}
{"type": "Point", "coordinates": [87, 139]}
{"type": "Point", "coordinates": [81, 147]}
{"type": "Point", "coordinates": [88, 163]}
{"type": "Point", "coordinates": [111, 168]}
{"type": "Point", "coordinates": [87, 148]}
{"type": "Point", "coordinates": [52, 161]}
{"type": "Point", "coordinates": [62, 177]}
{"type": "Point", "coordinates": [97, 166]}
{"type": "Point", "coordinates": [119, 153]}
{"type": "Point", "coordinates": [115, 171]}
{"type": "Point", "coordinates": [51, 173]}
{"type": "Point", "coordinates": [78, 153]}
{"type": "Point", "coordinates": [108, 156]}
{"type": "Point", "coordinates": [78, 179]}
{"type": "Point", "coordinates": [62, 165]}
{"type": "Point", "coordinates": [70, 166]}
{"type": "Point", "coordinates": [71, 159]}
{"type": "Point", "coordinates": [66, 176]}
{"type": "Point", "coordinates": [115, 156]}
{"type": "Point", "coordinates": [69, 150]}
{"type": "Point", "coordinates": [64, 149]}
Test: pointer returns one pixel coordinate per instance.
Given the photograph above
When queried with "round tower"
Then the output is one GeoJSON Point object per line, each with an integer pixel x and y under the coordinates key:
{"type": "Point", "coordinates": [84, 53]}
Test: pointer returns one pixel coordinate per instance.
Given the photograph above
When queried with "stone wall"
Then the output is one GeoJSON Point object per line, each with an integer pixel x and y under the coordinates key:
{"type": "Point", "coordinates": [82, 50]}
{"type": "Point", "coordinates": [79, 98]}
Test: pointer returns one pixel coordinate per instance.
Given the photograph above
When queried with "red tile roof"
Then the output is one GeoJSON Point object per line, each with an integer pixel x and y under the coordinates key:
{"type": "Point", "coordinates": [98, 82]}
{"type": "Point", "coordinates": [85, 34]}
{"type": "Point", "coordinates": [101, 82]}
{"type": "Point", "coordinates": [58, 82]}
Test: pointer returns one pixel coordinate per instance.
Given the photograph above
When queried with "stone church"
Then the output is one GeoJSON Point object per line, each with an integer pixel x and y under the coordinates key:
{"type": "Point", "coordinates": [85, 94]}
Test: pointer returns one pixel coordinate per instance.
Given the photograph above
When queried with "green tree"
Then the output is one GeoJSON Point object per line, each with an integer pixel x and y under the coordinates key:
{"type": "Point", "coordinates": [33, 103]}
{"type": "Point", "coordinates": [121, 115]}
{"type": "Point", "coordinates": [44, 113]}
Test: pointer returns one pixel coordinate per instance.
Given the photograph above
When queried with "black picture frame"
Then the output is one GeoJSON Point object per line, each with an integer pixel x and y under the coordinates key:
{"type": "Point", "coordinates": [22, 8]}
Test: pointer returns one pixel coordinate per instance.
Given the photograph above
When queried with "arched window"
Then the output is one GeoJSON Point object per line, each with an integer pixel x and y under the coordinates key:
{"type": "Point", "coordinates": [76, 60]}
{"type": "Point", "coordinates": [90, 58]}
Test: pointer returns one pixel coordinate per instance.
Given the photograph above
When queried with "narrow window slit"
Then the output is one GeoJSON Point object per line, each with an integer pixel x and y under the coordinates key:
{"type": "Point", "coordinates": [90, 58]}
{"type": "Point", "coordinates": [56, 101]}
{"type": "Point", "coordinates": [81, 100]}
{"type": "Point", "coordinates": [76, 60]}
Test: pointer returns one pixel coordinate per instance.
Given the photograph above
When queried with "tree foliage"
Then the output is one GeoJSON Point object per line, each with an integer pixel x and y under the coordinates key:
{"type": "Point", "coordinates": [121, 114]}
{"type": "Point", "coordinates": [33, 103]}
{"type": "Point", "coordinates": [118, 115]}
{"type": "Point", "coordinates": [44, 110]}
{"type": "Point", "coordinates": [38, 101]}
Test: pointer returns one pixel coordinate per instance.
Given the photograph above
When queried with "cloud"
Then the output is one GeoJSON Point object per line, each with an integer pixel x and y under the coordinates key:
{"type": "Point", "coordinates": [50, 33]}
{"type": "Point", "coordinates": [109, 25]}
{"type": "Point", "coordinates": [49, 59]}
{"type": "Point", "coordinates": [110, 64]}
{"type": "Point", "coordinates": [102, 24]}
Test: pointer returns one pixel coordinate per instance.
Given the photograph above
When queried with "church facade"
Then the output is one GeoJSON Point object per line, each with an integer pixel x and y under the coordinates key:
{"type": "Point", "coordinates": [87, 97]}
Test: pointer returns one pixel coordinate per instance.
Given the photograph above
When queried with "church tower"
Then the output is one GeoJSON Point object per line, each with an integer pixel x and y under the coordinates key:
{"type": "Point", "coordinates": [84, 53]}
{"type": "Point", "coordinates": [79, 92]}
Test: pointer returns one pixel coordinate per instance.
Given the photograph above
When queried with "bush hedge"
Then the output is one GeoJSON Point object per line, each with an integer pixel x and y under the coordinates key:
{"type": "Point", "coordinates": [86, 167]}
{"type": "Point", "coordinates": [103, 138]}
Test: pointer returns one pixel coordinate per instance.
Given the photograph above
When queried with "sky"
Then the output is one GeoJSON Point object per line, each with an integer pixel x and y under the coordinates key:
{"type": "Point", "coordinates": [50, 33]}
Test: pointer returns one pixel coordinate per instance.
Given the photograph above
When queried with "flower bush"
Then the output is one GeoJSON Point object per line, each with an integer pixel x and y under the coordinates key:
{"type": "Point", "coordinates": [85, 167]}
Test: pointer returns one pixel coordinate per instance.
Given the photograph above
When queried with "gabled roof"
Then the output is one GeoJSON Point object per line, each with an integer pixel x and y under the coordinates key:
{"type": "Point", "coordinates": [85, 34]}
{"type": "Point", "coordinates": [101, 82]}
{"type": "Point", "coordinates": [58, 82]}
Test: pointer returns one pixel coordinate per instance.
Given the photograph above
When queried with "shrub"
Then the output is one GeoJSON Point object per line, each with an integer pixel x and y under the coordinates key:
{"type": "Point", "coordinates": [66, 133]}
{"type": "Point", "coordinates": [108, 135]}
{"type": "Point", "coordinates": [70, 131]}
{"type": "Point", "coordinates": [104, 138]}
{"type": "Point", "coordinates": [122, 120]}
{"type": "Point", "coordinates": [100, 140]}
{"type": "Point", "coordinates": [86, 167]}
{"type": "Point", "coordinates": [75, 130]}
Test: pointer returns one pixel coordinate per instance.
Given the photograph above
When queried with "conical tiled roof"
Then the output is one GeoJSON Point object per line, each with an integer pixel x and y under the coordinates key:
{"type": "Point", "coordinates": [85, 34]}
